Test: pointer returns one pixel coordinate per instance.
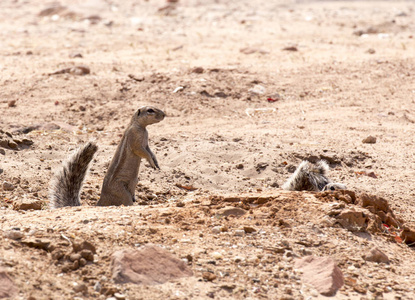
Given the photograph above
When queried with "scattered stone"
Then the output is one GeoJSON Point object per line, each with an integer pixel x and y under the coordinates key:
{"type": "Point", "coordinates": [27, 204]}
{"type": "Point", "coordinates": [76, 70]}
{"type": "Point", "coordinates": [80, 287]}
{"type": "Point", "coordinates": [97, 287]}
{"type": "Point", "coordinates": [353, 220]}
{"type": "Point", "coordinates": [85, 245]}
{"type": "Point", "coordinates": [136, 78]}
{"type": "Point", "coordinates": [11, 103]}
{"type": "Point", "coordinates": [119, 296]}
{"type": "Point", "coordinates": [290, 48]}
{"type": "Point", "coordinates": [80, 70]}
{"type": "Point", "coordinates": [148, 265]}
{"type": "Point", "coordinates": [39, 244]}
{"type": "Point", "coordinates": [322, 273]}
{"type": "Point", "coordinates": [239, 232]}
{"type": "Point", "coordinates": [7, 186]}
{"type": "Point", "coordinates": [375, 255]}
{"type": "Point", "coordinates": [258, 90]}
{"type": "Point", "coordinates": [371, 51]}
{"type": "Point", "coordinates": [227, 211]}
{"type": "Point", "coordinates": [408, 235]}
{"type": "Point", "coordinates": [249, 229]}
{"type": "Point", "coordinates": [13, 234]}
{"type": "Point", "coordinates": [369, 140]}
{"type": "Point", "coordinates": [87, 254]}
{"type": "Point", "coordinates": [220, 95]}
{"type": "Point", "coordinates": [7, 287]}
{"type": "Point", "coordinates": [3, 153]}
{"type": "Point", "coordinates": [208, 276]}
{"type": "Point", "coordinates": [75, 55]}
{"type": "Point", "coordinates": [13, 145]}
{"type": "Point", "coordinates": [239, 166]}
{"type": "Point", "coordinates": [198, 70]}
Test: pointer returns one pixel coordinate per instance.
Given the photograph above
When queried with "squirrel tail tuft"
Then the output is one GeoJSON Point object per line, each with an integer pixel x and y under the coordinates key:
{"type": "Point", "coordinates": [308, 177]}
{"type": "Point", "coordinates": [68, 180]}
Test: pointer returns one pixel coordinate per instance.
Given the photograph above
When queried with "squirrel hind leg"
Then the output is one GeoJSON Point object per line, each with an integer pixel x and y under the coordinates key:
{"type": "Point", "coordinates": [68, 180]}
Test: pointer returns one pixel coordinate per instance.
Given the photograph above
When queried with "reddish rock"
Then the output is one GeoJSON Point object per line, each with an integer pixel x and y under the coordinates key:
{"type": "Point", "coordinates": [322, 273]}
{"type": "Point", "coordinates": [149, 265]}
{"type": "Point", "coordinates": [376, 255]}
{"type": "Point", "coordinates": [408, 235]}
{"type": "Point", "coordinates": [7, 287]}
{"type": "Point", "coordinates": [353, 220]}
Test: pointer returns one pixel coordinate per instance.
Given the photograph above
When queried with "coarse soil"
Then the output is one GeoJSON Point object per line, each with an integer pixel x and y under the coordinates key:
{"type": "Point", "coordinates": [250, 89]}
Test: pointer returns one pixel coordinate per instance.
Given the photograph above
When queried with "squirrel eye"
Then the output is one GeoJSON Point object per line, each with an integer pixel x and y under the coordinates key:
{"type": "Point", "coordinates": [151, 111]}
{"type": "Point", "coordinates": [332, 188]}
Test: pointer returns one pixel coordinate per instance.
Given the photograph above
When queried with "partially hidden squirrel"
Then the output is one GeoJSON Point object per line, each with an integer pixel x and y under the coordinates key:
{"type": "Point", "coordinates": [309, 177]}
{"type": "Point", "coordinates": [122, 175]}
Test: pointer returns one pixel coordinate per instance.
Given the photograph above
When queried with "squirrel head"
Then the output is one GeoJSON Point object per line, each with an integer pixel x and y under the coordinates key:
{"type": "Point", "coordinates": [148, 115]}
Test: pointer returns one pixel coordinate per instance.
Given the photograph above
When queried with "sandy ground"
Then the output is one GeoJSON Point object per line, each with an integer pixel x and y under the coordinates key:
{"type": "Point", "coordinates": [250, 89]}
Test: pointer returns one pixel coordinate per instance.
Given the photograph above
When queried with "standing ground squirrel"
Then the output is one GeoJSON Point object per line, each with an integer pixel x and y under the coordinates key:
{"type": "Point", "coordinates": [308, 177]}
{"type": "Point", "coordinates": [122, 176]}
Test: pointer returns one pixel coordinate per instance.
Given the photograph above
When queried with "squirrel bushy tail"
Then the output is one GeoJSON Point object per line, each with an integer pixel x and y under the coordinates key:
{"type": "Point", "coordinates": [67, 182]}
{"type": "Point", "coordinates": [308, 177]}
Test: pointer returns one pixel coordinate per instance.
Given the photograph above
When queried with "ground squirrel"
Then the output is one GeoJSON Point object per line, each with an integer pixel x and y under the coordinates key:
{"type": "Point", "coordinates": [122, 176]}
{"type": "Point", "coordinates": [309, 177]}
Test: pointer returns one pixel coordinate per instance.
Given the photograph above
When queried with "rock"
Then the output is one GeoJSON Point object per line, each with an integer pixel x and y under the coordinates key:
{"type": "Point", "coordinates": [7, 186]}
{"type": "Point", "coordinates": [198, 70]}
{"type": "Point", "coordinates": [239, 232]}
{"type": "Point", "coordinates": [353, 220]}
{"type": "Point", "coordinates": [208, 276]}
{"type": "Point", "coordinates": [378, 203]}
{"type": "Point", "coordinates": [408, 235]}
{"type": "Point", "coordinates": [75, 55]}
{"type": "Point", "coordinates": [85, 245]}
{"type": "Point", "coordinates": [80, 70]}
{"type": "Point", "coordinates": [80, 287]}
{"type": "Point", "coordinates": [27, 204]}
{"type": "Point", "coordinates": [149, 265]}
{"type": "Point", "coordinates": [322, 273]}
{"type": "Point", "coordinates": [87, 254]}
{"type": "Point", "coordinates": [369, 140]}
{"type": "Point", "coordinates": [97, 287]}
{"type": "Point", "coordinates": [74, 257]}
{"type": "Point", "coordinates": [13, 234]}
{"type": "Point", "coordinates": [3, 153]}
{"type": "Point", "coordinates": [249, 229]}
{"type": "Point", "coordinates": [11, 103]}
{"type": "Point", "coordinates": [375, 255]}
{"type": "Point", "coordinates": [7, 287]}
{"type": "Point", "coordinates": [119, 296]}
{"type": "Point", "coordinates": [39, 244]}
{"type": "Point", "coordinates": [371, 51]}
{"type": "Point", "coordinates": [13, 145]}
{"type": "Point", "coordinates": [227, 211]}
{"type": "Point", "coordinates": [290, 48]}
{"type": "Point", "coordinates": [258, 90]}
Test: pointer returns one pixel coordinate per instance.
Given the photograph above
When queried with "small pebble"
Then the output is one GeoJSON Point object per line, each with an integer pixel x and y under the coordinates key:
{"type": "Point", "coordinates": [97, 287]}
{"type": "Point", "coordinates": [11, 103]}
{"type": "Point", "coordinates": [369, 140]}
{"type": "Point", "coordinates": [239, 232]}
{"type": "Point", "coordinates": [119, 296]}
{"type": "Point", "coordinates": [7, 186]}
{"type": "Point", "coordinates": [208, 276]}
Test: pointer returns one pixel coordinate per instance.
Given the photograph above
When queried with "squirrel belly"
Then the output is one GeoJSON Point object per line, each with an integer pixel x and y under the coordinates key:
{"type": "Point", "coordinates": [67, 183]}
{"type": "Point", "coordinates": [122, 175]}
{"type": "Point", "coordinates": [309, 177]}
